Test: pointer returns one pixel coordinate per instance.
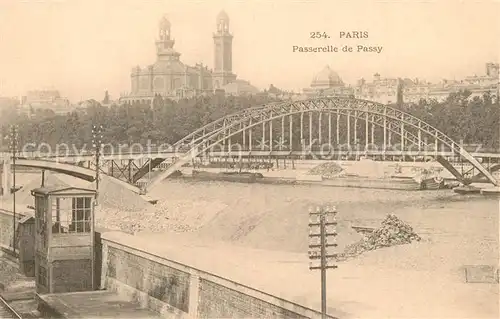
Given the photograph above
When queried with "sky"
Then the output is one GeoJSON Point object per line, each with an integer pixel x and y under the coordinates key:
{"type": "Point", "coordinates": [84, 47]}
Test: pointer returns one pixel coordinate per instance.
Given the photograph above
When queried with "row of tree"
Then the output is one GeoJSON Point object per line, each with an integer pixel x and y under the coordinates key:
{"type": "Point", "coordinates": [471, 120]}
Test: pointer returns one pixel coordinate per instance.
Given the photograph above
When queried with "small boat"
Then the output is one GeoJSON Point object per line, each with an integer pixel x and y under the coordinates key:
{"type": "Point", "coordinates": [491, 191]}
{"type": "Point", "coordinates": [436, 182]}
{"type": "Point", "coordinates": [394, 183]}
{"type": "Point", "coordinates": [467, 189]}
{"type": "Point", "coordinates": [428, 179]}
{"type": "Point", "coordinates": [244, 177]}
{"type": "Point", "coordinates": [363, 230]}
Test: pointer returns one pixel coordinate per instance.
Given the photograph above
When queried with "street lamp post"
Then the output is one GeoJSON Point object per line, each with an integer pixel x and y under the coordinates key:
{"type": "Point", "coordinates": [13, 147]}
{"type": "Point", "coordinates": [97, 143]}
{"type": "Point", "coordinates": [322, 226]}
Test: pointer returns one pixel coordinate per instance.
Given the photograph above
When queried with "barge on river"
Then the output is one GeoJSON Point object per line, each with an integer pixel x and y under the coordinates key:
{"type": "Point", "coordinates": [393, 182]}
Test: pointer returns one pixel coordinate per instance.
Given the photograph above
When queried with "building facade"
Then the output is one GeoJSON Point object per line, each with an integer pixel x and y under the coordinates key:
{"type": "Point", "coordinates": [390, 90]}
{"type": "Point", "coordinates": [381, 90]}
{"type": "Point", "coordinates": [170, 78]}
{"type": "Point", "coordinates": [416, 90]}
{"type": "Point", "coordinates": [45, 99]}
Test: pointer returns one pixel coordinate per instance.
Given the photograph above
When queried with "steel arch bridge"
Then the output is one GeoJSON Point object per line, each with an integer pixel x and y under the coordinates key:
{"type": "Point", "coordinates": [292, 130]}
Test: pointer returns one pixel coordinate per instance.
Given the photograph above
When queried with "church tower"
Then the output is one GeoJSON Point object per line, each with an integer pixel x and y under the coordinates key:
{"type": "Point", "coordinates": [165, 43]}
{"type": "Point", "coordinates": [223, 52]}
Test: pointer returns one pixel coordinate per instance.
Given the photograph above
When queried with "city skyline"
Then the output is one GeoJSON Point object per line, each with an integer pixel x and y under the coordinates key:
{"type": "Point", "coordinates": [84, 48]}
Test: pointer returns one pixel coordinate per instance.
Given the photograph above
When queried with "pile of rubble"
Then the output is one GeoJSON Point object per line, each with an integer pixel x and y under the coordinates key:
{"type": "Point", "coordinates": [326, 170]}
{"type": "Point", "coordinates": [114, 195]}
{"type": "Point", "coordinates": [393, 232]}
{"type": "Point", "coordinates": [166, 216]}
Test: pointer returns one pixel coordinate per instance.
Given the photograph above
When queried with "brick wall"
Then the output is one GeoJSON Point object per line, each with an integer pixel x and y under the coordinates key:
{"type": "Point", "coordinates": [166, 284]}
{"type": "Point", "coordinates": [217, 301]}
{"type": "Point", "coordinates": [72, 275]}
{"type": "Point", "coordinates": [133, 267]}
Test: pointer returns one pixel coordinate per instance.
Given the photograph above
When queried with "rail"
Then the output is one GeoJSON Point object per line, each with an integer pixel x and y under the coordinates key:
{"type": "Point", "coordinates": [246, 152]}
{"type": "Point", "coordinates": [8, 310]}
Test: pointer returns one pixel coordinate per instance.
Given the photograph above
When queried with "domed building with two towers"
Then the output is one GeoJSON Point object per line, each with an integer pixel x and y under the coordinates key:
{"type": "Point", "coordinates": [170, 78]}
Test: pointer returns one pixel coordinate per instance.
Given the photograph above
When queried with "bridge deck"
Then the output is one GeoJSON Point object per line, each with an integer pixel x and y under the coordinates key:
{"type": "Point", "coordinates": [243, 153]}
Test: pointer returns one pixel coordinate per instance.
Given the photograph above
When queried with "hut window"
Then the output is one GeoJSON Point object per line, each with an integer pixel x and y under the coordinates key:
{"type": "Point", "coordinates": [71, 215]}
{"type": "Point", "coordinates": [81, 213]}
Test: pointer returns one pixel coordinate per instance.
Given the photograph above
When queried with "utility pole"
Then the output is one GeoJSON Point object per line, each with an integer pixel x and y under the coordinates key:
{"type": "Point", "coordinates": [43, 178]}
{"type": "Point", "coordinates": [322, 226]}
{"type": "Point", "coordinates": [97, 143]}
{"type": "Point", "coordinates": [13, 146]}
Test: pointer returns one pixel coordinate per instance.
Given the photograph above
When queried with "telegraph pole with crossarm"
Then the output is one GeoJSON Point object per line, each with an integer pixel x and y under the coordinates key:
{"type": "Point", "coordinates": [97, 144]}
{"type": "Point", "coordinates": [322, 226]}
{"type": "Point", "coordinates": [13, 147]}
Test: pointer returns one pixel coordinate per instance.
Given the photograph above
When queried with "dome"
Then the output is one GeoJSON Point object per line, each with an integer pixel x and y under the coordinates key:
{"type": "Point", "coordinates": [327, 78]}
{"type": "Point", "coordinates": [164, 23]}
{"type": "Point", "coordinates": [222, 16]}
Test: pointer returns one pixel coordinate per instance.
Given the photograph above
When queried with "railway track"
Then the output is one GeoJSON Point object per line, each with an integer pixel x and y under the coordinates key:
{"type": "Point", "coordinates": [6, 311]}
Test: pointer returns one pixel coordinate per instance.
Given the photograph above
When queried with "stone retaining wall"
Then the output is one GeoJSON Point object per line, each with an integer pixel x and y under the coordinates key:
{"type": "Point", "coordinates": [174, 289]}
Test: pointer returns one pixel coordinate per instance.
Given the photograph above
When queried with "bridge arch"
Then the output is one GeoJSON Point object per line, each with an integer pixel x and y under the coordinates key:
{"type": "Point", "coordinates": [381, 114]}
{"type": "Point", "coordinates": [392, 126]}
{"type": "Point", "coordinates": [216, 125]}
{"type": "Point", "coordinates": [208, 130]}
{"type": "Point", "coordinates": [199, 135]}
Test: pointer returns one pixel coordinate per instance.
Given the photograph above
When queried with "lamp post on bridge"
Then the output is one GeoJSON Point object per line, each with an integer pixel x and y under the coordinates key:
{"type": "Point", "coordinates": [322, 226]}
{"type": "Point", "coordinates": [13, 147]}
{"type": "Point", "coordinates": [97, 144]}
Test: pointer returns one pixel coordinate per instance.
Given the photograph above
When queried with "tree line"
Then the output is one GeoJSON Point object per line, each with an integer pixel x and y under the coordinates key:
{"type": "Point", "coordinates": [462, 118]}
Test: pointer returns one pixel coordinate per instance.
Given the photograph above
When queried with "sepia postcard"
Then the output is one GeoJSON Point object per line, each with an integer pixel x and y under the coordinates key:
{"type": "Point", "coordinates": [249, 159]}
